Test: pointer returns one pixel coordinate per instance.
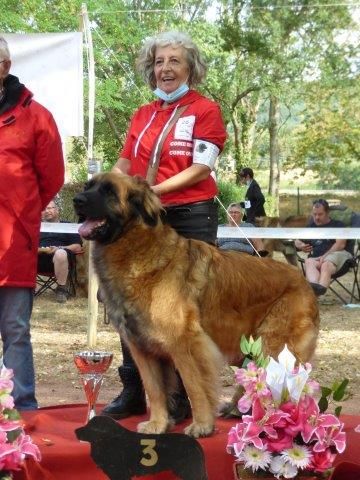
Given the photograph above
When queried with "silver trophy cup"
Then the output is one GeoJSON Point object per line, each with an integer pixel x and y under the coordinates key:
{"type": "Point", "coordinates": [92, 365]}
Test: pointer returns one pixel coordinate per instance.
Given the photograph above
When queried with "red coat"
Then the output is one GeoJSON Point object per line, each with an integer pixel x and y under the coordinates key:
{"type": "Point", "coordinates": [31, 173]}
{"type": "Point", "coordinates": [203, 121]}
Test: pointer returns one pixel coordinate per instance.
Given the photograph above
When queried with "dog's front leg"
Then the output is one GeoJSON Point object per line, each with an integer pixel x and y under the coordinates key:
{"type": "Point", "coordinates": [151, 374]}
{"type": "Point", "coordinates": [199, 364]}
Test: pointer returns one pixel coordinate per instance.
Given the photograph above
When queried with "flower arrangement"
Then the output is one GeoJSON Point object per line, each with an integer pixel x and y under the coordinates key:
{"type": "Point", "coordinates": [15, 445]}
{"type": "Point", "coordinates": [283, 430]}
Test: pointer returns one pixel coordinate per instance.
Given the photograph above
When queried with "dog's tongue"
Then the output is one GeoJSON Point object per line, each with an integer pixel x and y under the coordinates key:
{"type": "Point", "coordinates": [87, 227]}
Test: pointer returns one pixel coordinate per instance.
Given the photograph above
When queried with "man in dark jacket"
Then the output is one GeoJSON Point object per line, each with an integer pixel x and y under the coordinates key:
{"type": "Point", "coordinates": [31, 173]}
{"type": "Point", "coordinates": [254, 198]}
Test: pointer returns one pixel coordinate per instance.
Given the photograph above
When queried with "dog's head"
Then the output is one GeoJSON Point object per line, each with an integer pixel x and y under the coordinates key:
{"type": "Point", "coordinates": [111, 203]}
{"type": "Point", "coordinates": [99, 428]}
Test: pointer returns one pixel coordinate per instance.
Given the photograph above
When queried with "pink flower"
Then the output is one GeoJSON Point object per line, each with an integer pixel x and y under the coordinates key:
{"type": "Point", "coordinates": [280, 443]}
{"type": "Point", "coordinates": [6, 401]}
{"type": "Point", "coordinates": [244, 404]}
{"type": "Point", "coordinates": [330, 436]}
{"type": "Point", "coordinates": [253, 380]}
{"type": "Point", "coordinates": [321, 461]}
{"type": "Point", "coordinates": [247, 376]}
{"type": "Point", "coordinates": [242, 435]}
{"type": "Point", "coordinates": [284, 420]}
{"type": "Point", "coordinates": [9, 425]}
{"type": "Point", "coordinates": [10, 458]}
{"type": "Point", "coordinates": [15, 447]}
{"type": "Point", "coordinates": [27, 447]}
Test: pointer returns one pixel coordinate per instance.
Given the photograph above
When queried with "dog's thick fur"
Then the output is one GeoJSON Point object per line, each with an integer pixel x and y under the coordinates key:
{"type": "Point", "coordinates": [186, 301]}
{"type": "Point", "coordinates": [123, 454]}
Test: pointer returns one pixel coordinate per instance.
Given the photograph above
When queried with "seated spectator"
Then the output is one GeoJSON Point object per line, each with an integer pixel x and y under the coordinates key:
{"type": "Point", "coordinates": [326, 257]}
{"type": "Point", "coordinates": [235, 216]}
{"type": "Point", "coordinates": [56, 251]}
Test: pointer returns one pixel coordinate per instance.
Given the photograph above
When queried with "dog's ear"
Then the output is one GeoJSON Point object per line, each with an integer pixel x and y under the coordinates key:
{"type": "Point", "coordinates": [144, 202]}
{"type": "Point", "coordinates": [101, 425]}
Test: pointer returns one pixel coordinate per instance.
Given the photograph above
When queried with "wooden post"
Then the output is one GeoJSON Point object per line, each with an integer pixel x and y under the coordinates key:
{"type": "Point", "coordinates": [93, 306]}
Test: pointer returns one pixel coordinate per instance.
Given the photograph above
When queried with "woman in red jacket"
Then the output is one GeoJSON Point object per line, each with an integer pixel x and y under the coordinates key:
{"type": "Point", "coordinates": [173, 142]}
{"type": "Point", "coordinates": [31, 173]}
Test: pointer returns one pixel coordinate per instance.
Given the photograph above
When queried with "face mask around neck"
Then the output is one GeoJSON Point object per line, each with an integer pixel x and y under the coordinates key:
{"type": "Point", "coordinates": [173, 96]}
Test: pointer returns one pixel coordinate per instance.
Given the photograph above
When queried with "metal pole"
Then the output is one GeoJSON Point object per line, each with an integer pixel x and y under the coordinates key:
{"type": "Point", "coordinates": [93, 306]}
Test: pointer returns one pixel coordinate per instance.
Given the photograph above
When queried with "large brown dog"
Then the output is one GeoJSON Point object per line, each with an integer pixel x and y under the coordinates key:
{"type": "Point", "coordinates": [184, 300]}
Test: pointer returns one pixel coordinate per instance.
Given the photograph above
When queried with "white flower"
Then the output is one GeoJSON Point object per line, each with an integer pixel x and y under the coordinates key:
{"type": "Point", "coordinates": [298, 455]}
{"type": "Point", "coordinates": [281, 468]}
{"type": "Point", "coordinates": [287, 359]}
{"type": "Point", "coordinates": [295, 383]}
{"type": "Point", "coordinates": [280, 376]}
{"type": "Point", "coordinates": [255, 458]}
{"type": "Point", "coordinates": [275, 379]}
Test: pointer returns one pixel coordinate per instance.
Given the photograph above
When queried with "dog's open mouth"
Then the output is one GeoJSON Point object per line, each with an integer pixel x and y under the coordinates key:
{"type": "Point", "coordinates": [91, 228]}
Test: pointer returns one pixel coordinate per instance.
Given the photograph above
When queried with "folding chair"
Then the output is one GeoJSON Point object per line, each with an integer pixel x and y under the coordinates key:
{"type": "Point", "coordinates": [351, 265]}
{"type": "Point", "coordinates": [46, 280]}
{"type": "Point", "coordinates": [337, 285]}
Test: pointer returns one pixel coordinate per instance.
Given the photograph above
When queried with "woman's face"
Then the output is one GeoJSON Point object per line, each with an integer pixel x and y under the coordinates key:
{"type": "Point", "coordinates": [171, 68]}
{"type": "Point", "coordinates": [4, 69]}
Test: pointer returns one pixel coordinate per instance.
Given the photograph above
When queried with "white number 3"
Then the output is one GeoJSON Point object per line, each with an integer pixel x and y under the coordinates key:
{"type": "Point", "coordinates": [150, 456]}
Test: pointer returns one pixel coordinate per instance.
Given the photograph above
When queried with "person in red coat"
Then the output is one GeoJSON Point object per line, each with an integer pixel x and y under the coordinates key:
{"type": "Point", "coordinates": [183, 132]}
{"type": "Point", "coordinates": [31, 173]}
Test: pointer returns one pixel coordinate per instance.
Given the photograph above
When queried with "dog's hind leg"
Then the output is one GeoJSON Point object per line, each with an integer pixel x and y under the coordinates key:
{"type": "Point", "coordinates": [151, 373]}
{"type": "Point", "coordinates": [198, 361]}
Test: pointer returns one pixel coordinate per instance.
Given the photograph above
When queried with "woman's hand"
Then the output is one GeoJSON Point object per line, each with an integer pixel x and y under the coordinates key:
{"type": "Point", "coordinates": [121, 166]}
{"type": "Point", "coordinates": [191, 175]}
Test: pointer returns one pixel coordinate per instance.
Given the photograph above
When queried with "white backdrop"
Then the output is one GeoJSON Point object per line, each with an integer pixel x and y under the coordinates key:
{"type": "Point", "coordinates": [51, 66]}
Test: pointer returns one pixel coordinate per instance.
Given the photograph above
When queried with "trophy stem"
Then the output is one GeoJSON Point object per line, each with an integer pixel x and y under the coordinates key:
{"type": "Point", "coordinates": [92, 365]}
{"type": "Point", "coordinates": [92, 384]}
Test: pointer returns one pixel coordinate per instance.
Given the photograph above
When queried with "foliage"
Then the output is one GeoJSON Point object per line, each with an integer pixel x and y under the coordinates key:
{"type": "Point", "coordinates": [66, 195]}
{"type": "Point", "coordinates": [254, 51]}
{"type": "Point", "coordinates": [327, 139]}
{"type": "Point", "coordinates": [284, 430]}
{"type": "Point", "coordinates": [229, 192]}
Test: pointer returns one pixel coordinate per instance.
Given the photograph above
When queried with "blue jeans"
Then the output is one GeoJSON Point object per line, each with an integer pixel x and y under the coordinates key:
{"type": "Point", "coordinates": [15, 312]}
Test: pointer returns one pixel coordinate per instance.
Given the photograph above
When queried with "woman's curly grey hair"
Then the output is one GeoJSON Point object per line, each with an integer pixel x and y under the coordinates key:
{"type": "Point", "coordinates": [4, 49]}
{"type": "Point", "coordinates": [146, 58]}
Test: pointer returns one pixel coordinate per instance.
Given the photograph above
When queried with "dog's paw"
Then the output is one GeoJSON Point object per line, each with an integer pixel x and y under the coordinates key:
{"type": "Point", "coordinates": [197, 430]}
{"type": "Point", "coordinates": [152, 427]}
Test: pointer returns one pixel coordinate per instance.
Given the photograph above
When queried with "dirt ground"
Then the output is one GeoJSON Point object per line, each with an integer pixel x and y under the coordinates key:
{"type": "Point", "coordinates": [60, 330]}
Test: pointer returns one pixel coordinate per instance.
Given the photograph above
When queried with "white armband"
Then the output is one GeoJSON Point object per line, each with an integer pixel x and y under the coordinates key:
{"type": "Point", "coordinates": [205, 153]}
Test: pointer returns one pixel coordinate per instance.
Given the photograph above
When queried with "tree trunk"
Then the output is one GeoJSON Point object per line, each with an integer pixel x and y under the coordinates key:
{"type": "Point", "coordinates": [245, 135]}
{"type": "Point", "coordinates": [237, 145]}
{"type": "Point", "coordinates": [274, 181]}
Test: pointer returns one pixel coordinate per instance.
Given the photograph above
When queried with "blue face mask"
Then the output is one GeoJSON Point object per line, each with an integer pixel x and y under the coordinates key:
{"type": "Point", "coordinates": [173, 96]}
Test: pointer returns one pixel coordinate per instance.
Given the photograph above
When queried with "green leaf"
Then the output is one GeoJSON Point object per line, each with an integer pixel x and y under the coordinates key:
{"type": "Point", "coordinates": [323, 404]}
{"type": "Point", "coordinates": [246, 361]}
{"type": "Point", "coordinates": [338, 410]}
{"type": "Point", "coordinates": [244, 345]}
{"type": "Point", "coordinates": [13, 434]}
{"type": "Point", "coordinates": [325, 391]}
{"type": "Point", "coordinates": [340, 391]}
{"type": "Point", "coordinates": [256, 347]}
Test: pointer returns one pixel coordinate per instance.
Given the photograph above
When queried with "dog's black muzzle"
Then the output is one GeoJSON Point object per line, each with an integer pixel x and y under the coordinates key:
{"type": "Point", "coordinates": [89, 204]}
